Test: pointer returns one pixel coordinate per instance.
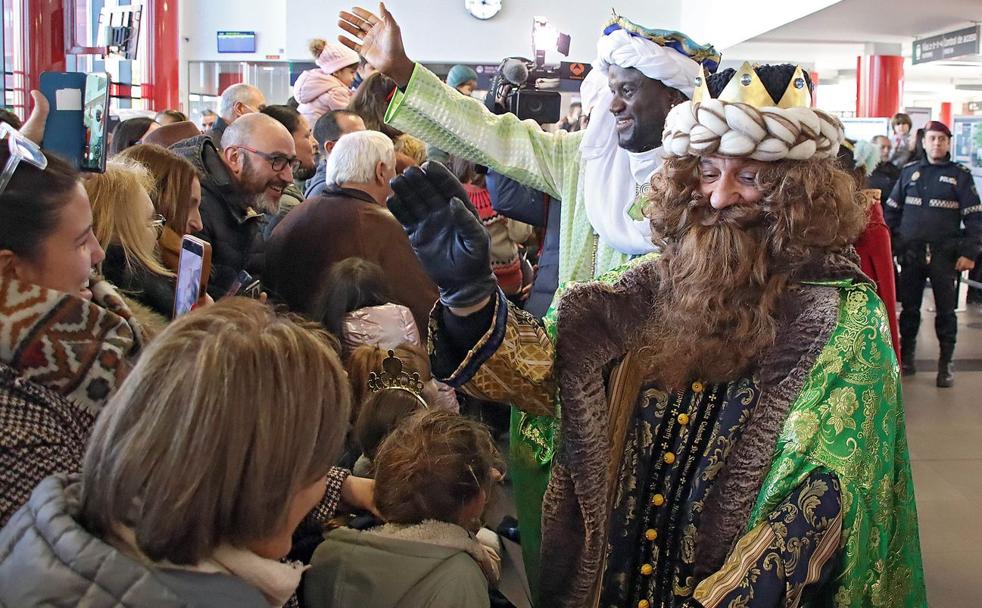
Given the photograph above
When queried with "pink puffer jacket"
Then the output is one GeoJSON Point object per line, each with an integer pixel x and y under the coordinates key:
{"type": "Point", "coordinates": [318, 93]}
{"type": "Point", "coordinates": [387, 326]}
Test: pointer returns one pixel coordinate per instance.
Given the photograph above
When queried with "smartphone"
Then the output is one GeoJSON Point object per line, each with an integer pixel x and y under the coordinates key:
{"type": "Point", "coordinates": [77, 124]}
{"type": "Point", "coordinates": [245, 285]}
{"type": "Point", "coordinates": [96, 123]}
{"type": "Point", "coordinates": [190, 275]}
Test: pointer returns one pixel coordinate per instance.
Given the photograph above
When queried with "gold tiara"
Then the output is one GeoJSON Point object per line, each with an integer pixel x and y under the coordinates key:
{"type": "Point", "coordinates": [746, 87]}
{"type": "Point", "coordinates": [394, 377]}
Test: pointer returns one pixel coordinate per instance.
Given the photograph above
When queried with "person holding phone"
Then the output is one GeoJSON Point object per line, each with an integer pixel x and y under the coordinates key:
{"type": "Point", "coordinates": [189, 273]}
{"type": "Point", "coordinates": [176, 196]}
{"type": "Point", "coordinates": [127, 225]}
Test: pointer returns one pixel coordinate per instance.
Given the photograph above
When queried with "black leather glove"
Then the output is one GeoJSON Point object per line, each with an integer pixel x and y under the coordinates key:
{"type": "Point", "coordinates": [445, 232]}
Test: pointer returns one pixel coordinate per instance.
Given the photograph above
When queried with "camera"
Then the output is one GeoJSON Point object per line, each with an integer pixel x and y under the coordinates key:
{"type": "Point", "coordinates": [530, 101]}
{"type": "Point", "coordinates": [523, 89]}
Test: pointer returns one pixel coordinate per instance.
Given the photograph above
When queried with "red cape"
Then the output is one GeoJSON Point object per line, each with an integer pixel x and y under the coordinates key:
{"type": "Point", "coordinates": [876, 260]}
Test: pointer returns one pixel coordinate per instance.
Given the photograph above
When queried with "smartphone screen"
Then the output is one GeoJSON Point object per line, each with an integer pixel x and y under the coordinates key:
{"type": "Point", "coordinates": [189, 271]}
{"type": "Point", "coordinates": [95, 119]}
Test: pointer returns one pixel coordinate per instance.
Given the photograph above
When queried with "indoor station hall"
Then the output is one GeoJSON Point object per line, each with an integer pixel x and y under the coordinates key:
{"type": "Point", "coordinates": [490, 304]}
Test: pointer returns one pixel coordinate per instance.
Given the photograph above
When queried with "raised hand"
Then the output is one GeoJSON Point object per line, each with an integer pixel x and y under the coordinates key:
{"type": "Point", "coordinates": [444, 230]}
{"type": "Point", "coordinates": [33, 128]}
{"type": "Point", "coordinates": [378, 39]}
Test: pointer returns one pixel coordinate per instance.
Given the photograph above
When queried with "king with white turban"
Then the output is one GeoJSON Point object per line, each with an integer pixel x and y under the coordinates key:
{"type": "Point", "coordinates": [614, 179]}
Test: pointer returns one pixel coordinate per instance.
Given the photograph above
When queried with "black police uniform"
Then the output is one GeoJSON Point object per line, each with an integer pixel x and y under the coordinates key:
{"type": "Point", "coordinates": [883, 178]}
{"type": "Point", "coordinates": [925, 213]}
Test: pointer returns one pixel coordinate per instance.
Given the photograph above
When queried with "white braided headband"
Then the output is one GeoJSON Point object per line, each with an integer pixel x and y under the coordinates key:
{"type": "Point", "coordinates": [714, 127]}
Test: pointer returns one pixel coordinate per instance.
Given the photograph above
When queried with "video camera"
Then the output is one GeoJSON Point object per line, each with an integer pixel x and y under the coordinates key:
{"type": "Point", "coordinates": [526, 90]}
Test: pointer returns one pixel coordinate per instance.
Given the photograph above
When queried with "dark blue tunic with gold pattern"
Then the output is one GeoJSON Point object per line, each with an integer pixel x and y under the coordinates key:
{"type": "Point", "coordinates": [678, 445]}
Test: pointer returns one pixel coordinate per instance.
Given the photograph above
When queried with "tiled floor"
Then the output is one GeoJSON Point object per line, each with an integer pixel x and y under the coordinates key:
{"type": "Point", "coordinates": [944, 428]}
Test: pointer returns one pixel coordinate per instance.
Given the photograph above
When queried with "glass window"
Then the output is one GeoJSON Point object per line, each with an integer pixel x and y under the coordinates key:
{"type": "Point", "coordinates": [13, 94]}
{"type": "Point", "coordinates": [207, 80]}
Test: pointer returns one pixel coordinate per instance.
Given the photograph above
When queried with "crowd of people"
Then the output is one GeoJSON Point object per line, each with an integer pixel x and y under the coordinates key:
{"type": "Point", "coordinates": [686, 295]}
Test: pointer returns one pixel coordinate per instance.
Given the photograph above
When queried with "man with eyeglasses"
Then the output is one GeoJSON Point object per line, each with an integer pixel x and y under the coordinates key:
{"type": "Point", "coordinates": [239, 182]}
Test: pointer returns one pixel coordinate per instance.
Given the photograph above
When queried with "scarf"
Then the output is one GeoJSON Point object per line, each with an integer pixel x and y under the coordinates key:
{"type": "Point", "coordinates": [277, 581]}
{"type": "Point", "coordinates": [78, 348]}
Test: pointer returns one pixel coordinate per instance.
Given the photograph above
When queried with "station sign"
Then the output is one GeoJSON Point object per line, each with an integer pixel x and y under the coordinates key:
{"type": "Point", "coordinates": [960, 43]}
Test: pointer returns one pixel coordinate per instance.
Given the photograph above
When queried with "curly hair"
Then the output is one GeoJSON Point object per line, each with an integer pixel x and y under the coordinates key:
{"type": "Point", "coordinates": [431, 466]}
{"type": "Point", "coordinates": [725, 272]}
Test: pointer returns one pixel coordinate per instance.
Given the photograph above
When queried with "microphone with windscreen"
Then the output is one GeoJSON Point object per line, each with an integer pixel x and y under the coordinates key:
{"type": "Point", "coordinates": [517, 89]}
{"type": "Point", "coordinates": [514, 70]}
{"type": "Point", "coordinates": [512, 73]}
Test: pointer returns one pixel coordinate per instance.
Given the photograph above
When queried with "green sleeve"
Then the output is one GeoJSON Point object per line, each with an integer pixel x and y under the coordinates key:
{"type": "Point", "coordinates": [849, 419]}
{"type": "Point", "coordinates": [521, 150]}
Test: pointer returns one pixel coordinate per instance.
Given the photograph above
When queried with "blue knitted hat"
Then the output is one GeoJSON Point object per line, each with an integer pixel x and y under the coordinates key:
{"type": "Point", "coordinates": [459, 74]}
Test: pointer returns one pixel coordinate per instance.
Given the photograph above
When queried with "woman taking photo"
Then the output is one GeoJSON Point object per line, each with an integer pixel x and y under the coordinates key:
{"type": "Point", "coordinates": [196, 475]}
{"type": "Point", "coordinates": [176, 196]}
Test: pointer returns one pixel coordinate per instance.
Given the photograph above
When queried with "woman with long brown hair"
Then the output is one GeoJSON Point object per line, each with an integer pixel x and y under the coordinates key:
{"type": "Point", "coordinates": [176, 196]}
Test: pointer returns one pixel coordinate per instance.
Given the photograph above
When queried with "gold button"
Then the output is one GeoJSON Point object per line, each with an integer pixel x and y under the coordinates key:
{"type": "Point", "coordinates": [651, 534]}
{"type": "Point", "coordinates": [669, 458]}
{"type": "Point", "coordinates": [647, 569]}
{"type": "Point", "coordinates": [658, 500]}
{"type": "Point", "coordinates": [697, 387]}
{"type": "Point", "coordinates": [644, 604]}
{"type": "Point", "coordinates": [683, 419]}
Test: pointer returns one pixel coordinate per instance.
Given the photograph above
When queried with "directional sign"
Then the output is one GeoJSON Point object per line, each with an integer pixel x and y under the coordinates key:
{"type": "Point", "coordinates": [947, 46]}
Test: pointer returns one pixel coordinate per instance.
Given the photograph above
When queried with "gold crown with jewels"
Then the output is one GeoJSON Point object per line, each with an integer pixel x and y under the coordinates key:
{"type": "Point", "coordinates": [746, 87]}
{"type": "Point", "coordinates": [394, 377]}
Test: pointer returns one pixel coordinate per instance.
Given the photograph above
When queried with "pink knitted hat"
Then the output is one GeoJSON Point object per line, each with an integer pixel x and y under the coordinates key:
{"type": "Point", "coordinates": [335, 56]}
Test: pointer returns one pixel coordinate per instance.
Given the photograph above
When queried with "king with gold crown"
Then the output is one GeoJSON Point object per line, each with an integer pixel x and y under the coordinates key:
{"type": "Point", "coordinates": [731, 424]}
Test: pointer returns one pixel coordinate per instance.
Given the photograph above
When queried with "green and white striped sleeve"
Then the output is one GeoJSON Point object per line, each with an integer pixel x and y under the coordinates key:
{"type": "Point", "coordinates": [521, 150]}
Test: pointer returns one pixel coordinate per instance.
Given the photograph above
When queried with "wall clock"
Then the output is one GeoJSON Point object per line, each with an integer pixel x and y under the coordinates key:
{"type": "Point", "coordinates": [483, 9]}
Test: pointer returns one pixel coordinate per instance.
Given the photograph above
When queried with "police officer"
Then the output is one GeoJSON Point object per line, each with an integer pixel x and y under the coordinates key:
{"type": "Point", "coordinates": [926, 212]}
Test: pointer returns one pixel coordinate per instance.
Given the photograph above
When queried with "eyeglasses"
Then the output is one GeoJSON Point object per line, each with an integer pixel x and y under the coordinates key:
{"type": "Point", "coordinates": [277, 161]}
{"type": "Point", "coordinates": [157, 221]}
{"type": "Point", "coordinates": [21, 149]}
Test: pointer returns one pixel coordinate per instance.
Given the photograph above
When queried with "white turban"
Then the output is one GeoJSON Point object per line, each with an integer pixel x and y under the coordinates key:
{"type": "Point", "coordinates": [658, 62]}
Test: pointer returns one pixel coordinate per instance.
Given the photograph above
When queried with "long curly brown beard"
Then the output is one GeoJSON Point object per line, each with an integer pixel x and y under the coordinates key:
{"type": "Point", "coordinates": [724, 273]}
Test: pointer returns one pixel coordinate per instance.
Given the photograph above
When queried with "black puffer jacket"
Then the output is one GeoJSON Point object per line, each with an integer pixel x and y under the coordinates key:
{"type": "Point", "coordinates": [231, 224]}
